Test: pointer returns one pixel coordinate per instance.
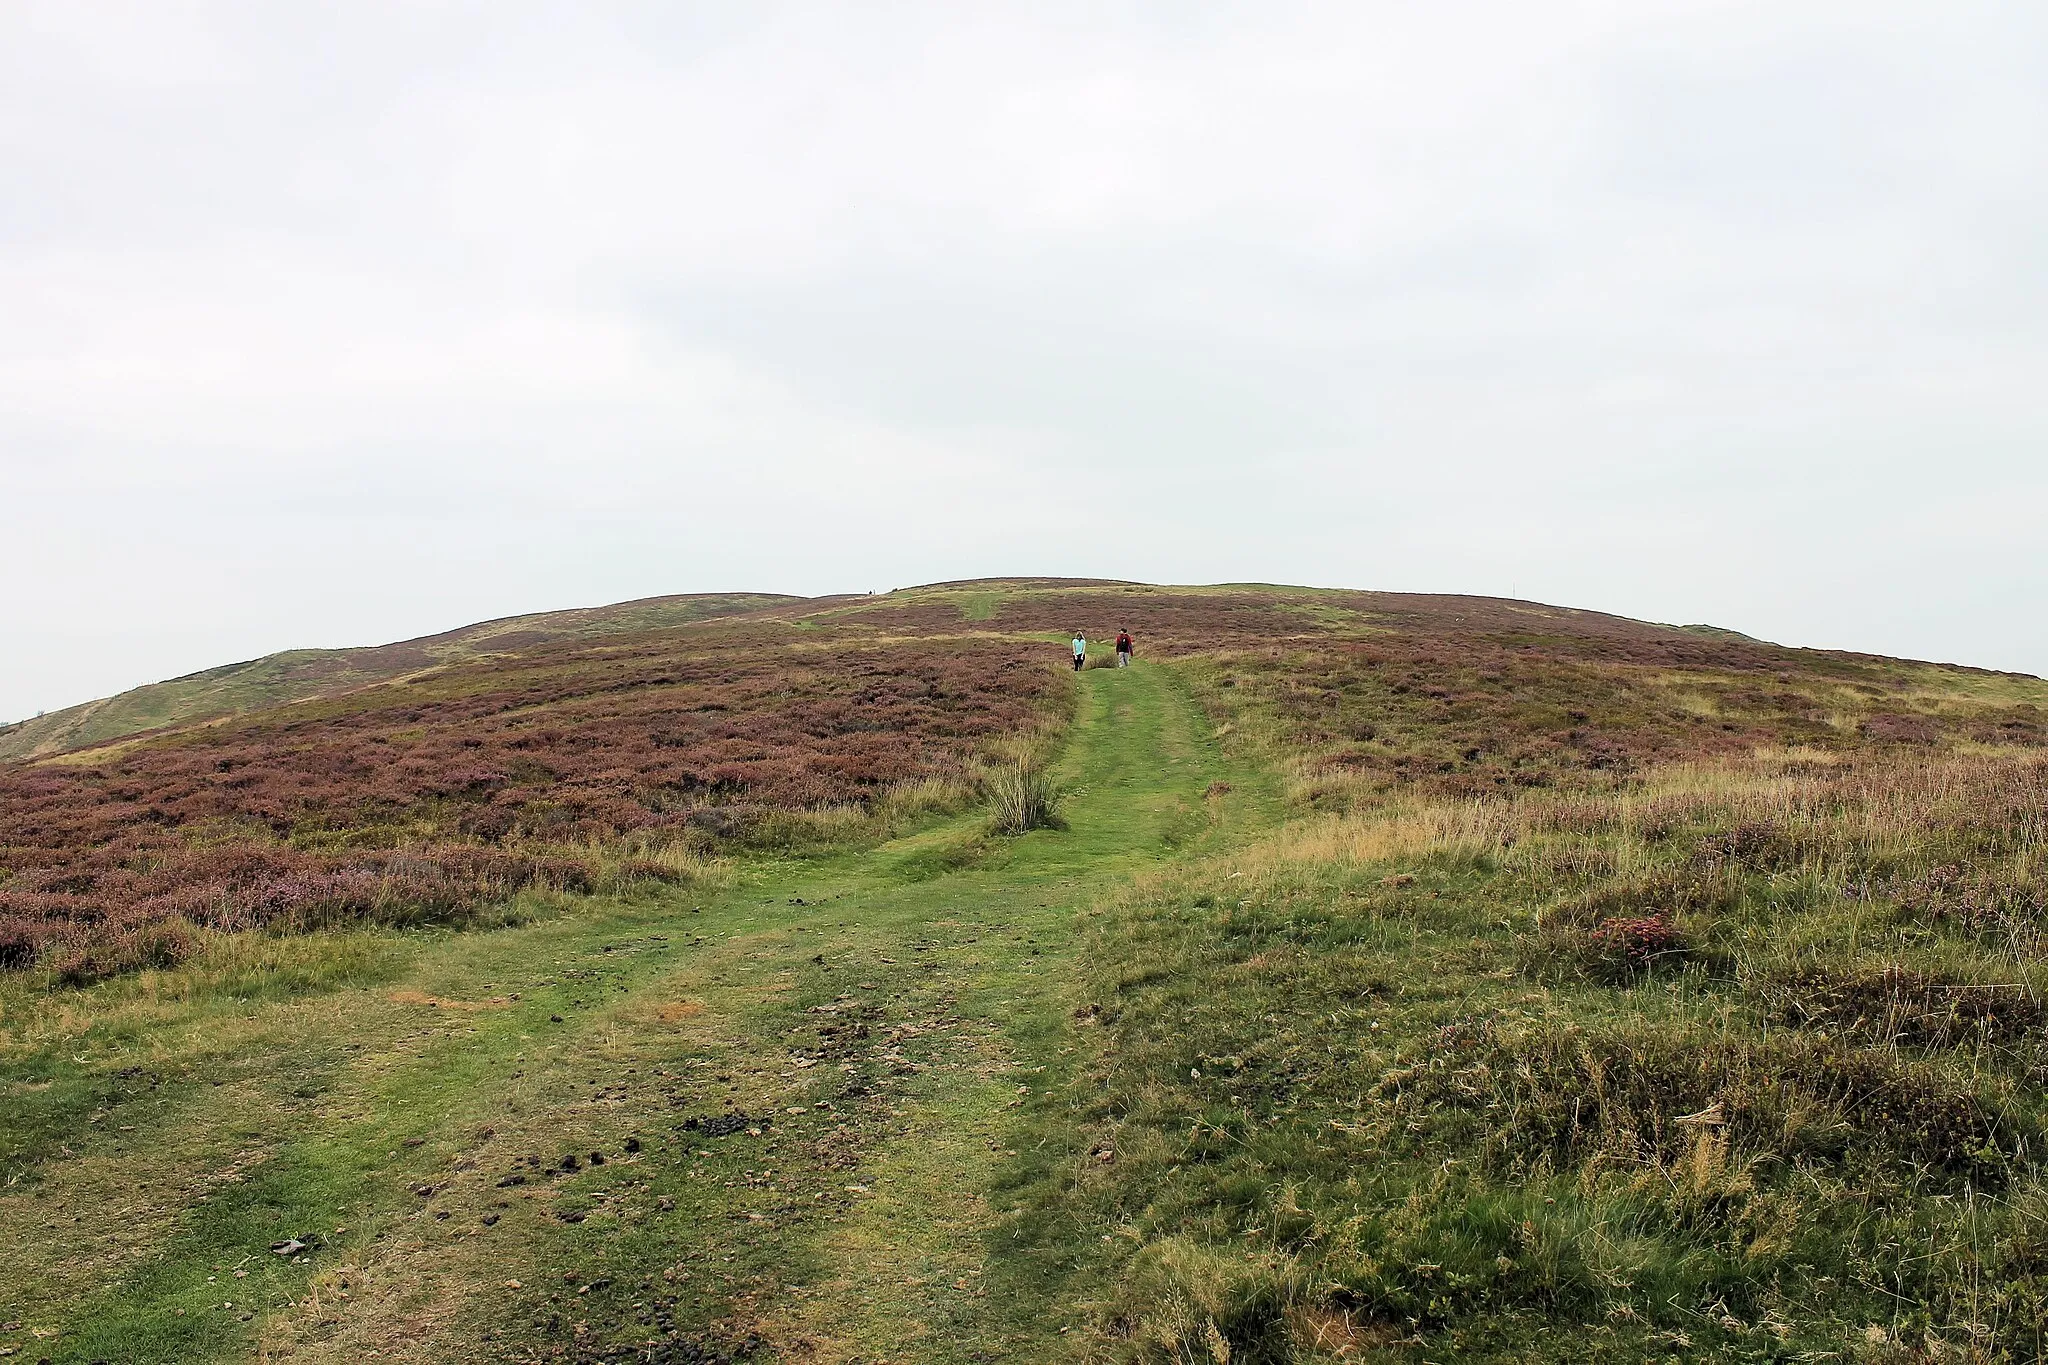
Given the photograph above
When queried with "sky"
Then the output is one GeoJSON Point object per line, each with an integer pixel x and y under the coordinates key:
{"type": "Point", "coordinates": [328, 325]}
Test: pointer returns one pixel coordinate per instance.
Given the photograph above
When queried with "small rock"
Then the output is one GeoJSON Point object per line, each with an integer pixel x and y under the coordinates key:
{"type": "Point", "coordinates": [554, 1018]}
{"type": "Point", "coordinates": [490, 1220]}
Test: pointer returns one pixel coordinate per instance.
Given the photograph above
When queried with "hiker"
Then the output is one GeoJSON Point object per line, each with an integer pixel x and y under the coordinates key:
{"type": "Point", "coordinates": [1123, 649]}
{"type": "Point", "coordinates": [1080, 650]}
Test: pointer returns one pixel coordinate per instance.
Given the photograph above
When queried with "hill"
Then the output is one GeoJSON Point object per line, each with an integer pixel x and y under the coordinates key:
{"type": "Point", "coordinates": [1401, 977]}
{"type": "Point", "coordinates": [307, 674]}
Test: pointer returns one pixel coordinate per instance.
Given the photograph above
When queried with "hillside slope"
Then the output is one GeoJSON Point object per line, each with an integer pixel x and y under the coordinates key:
{"type": "Point", "coordinates": [304, 674]}
{"type": "Point", "coordinates": [429, 778]}
{"type": "Point", "coordinates": [1028, 603]}
{"type": "Point", "coordinates": [1410, 978]}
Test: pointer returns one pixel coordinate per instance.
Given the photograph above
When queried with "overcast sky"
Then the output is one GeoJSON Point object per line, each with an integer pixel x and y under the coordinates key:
{"type": "Point", "coordinates": [338, 324]}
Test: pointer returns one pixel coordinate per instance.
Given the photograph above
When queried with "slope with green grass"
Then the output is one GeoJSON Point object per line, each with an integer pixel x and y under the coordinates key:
{"type": "Point", "coordinates": [821, 1095]}
{"type": "Point", "coordinates": [1413, 979]}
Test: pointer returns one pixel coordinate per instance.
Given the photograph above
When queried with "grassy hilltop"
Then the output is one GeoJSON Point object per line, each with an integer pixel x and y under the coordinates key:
{"type": "Point", "coordinates": [1401, 978]}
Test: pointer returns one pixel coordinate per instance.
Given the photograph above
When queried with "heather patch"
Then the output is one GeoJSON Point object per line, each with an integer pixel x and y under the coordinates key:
{"type": "Point", "coordinates": [436, 799]}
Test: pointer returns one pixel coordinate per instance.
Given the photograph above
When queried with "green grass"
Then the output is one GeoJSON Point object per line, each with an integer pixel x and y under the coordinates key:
{"type": "Point", "coordinates": [164, 1130]}
{"type": "Point", "coordinates": [1395, 1086]}
{"type": "Point", "coordinates": [1307, 1037]}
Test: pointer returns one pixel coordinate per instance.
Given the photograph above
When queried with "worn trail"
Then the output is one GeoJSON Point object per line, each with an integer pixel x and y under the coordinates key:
{"type": "Point", "coordinates": [782, 1119]}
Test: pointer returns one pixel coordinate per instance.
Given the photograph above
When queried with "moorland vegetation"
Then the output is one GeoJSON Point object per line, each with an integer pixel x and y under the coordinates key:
{"type": "Point", "coordinates": [1388, 977]}
{"type": "Point", "coordinates": [568, 766]}
{"type": "Point", "coordinates": [1672, 988]}
{"type": "Point", "coordinates": [305, 674]}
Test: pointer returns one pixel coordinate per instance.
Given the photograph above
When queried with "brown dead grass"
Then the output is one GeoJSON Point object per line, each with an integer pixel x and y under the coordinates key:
{"type": "Point", "coordinates": [442, 1002]}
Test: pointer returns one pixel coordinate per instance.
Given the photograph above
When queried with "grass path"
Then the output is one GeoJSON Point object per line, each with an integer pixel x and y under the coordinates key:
{"type": "Point", "coordinates": [782, 1121]}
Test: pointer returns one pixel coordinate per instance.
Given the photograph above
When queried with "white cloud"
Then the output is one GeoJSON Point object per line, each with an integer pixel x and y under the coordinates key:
{"type": "Point", "coordinates": [325, 326]}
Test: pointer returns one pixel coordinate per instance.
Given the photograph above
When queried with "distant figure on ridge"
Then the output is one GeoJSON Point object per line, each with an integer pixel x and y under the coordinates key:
{"type": "Point", "coordinates": [1123, 649]}
{"type": "Point", "coordinates": [1080, 650]}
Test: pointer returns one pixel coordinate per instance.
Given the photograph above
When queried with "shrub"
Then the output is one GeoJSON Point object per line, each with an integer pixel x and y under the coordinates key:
{"type": "Point", "coordinates": [437, 797]}
{"type": "Point", "coordinates": [1613, 949]}
{"type": "Point", "coordinates": [1633, 943]}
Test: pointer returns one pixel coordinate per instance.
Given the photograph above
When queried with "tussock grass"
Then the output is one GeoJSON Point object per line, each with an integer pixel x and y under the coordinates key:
{"type": "Point", "coordinates": [1745, 1054]}
{"type": "Point", "coordinates": [616, 866]}
{"type": "Point", "coordinates": [929, 796]}
{"type": "Point", "coordinates": [1021, 797]}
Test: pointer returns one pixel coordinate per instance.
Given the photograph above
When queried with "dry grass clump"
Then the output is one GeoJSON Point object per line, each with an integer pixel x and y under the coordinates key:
{"type": "Point", "coordinates": [1021, 797]}
{"type": "Point", "coordinates": [1394, 830]}
{"type": "Point", "coordinates": [1884, 1004]}
{"type": "Point", "coordinates": [1637, 1097]}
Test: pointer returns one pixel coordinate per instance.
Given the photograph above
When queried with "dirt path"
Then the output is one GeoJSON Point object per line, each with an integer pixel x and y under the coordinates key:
{"type": "Point", "coordinates": [784, 1121]}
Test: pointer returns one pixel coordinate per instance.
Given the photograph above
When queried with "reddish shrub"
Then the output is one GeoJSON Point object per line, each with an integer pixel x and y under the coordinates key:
{"type": "Point", "coordinates": [1634, 942]}
{"type": "Point", "coordinates": [332, 811]}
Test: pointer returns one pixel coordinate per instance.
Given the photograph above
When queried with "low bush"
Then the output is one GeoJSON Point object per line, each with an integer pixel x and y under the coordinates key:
{"type": "Point", "coordinates": [1626, 946]}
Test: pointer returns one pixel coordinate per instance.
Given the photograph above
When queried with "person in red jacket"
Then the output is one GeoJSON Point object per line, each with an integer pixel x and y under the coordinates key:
{"type": "Point", "coordinates": [1123, 649]}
